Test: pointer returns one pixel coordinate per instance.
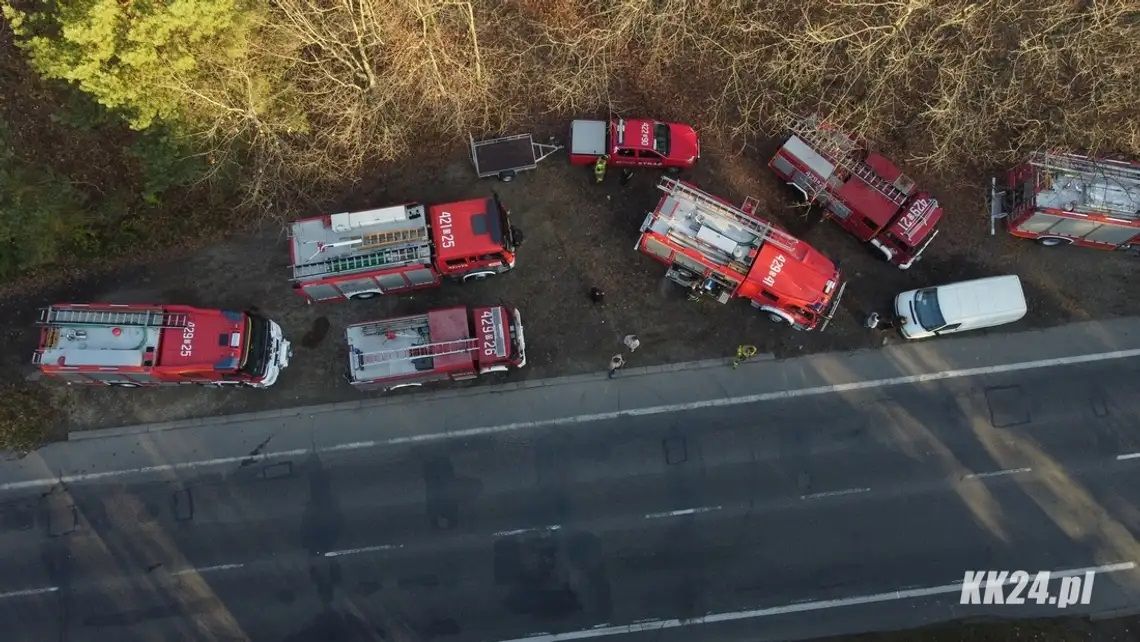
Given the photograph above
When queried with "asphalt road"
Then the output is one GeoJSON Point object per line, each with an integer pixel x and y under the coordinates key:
{"type": "Point", "coordinates": [843, 509]}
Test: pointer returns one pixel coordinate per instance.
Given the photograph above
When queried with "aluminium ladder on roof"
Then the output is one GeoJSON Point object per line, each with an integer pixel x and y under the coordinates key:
{"type": "Point", "coordinates": [385, 258]}
{"type": "Point", "coordinates": [108, 317]}
{"type": "Point", "coordinates": [1081, 164]}
{"type": "Point", "coordinates": [765, 231]}
{"type": "Point", "coordinates": [813, 132]}
{"type": "Point", "coordinates": [437, 349]}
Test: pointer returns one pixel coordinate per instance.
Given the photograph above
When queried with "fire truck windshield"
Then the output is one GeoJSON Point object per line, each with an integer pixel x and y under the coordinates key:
{"type": "Point", "coordinates": [255, 357]}
{"type": "Point", "coordinates": [661, 138]}
{"type": "Point", "coordinates": [926, 310]}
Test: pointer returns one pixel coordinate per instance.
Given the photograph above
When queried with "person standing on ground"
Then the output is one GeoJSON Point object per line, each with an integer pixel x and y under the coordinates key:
{"type": "Point", "coordinates": [872, 321]}
{"type": "Point", "coordinates": [632, 342]}
{"type": "Point", "coordinates": [626, 176]}
{"type": "Point", "coordinates": [600, 168]}
{"type": "Point", "coordinates": [616, 362]}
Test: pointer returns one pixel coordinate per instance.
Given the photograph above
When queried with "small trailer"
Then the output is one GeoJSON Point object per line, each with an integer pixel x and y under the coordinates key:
{"type": "Point", "coordinates": [506, 156]}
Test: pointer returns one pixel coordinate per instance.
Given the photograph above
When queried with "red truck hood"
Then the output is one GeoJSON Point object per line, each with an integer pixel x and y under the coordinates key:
{"type": "Point", "coordinates": [685, 144]}
{"type": "Point", "coordinates": [801, 279]}
{"type": "Point", "coordinates": [918, 220]}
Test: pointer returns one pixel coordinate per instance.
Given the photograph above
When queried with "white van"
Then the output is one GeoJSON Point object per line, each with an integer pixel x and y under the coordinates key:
{"type": "Point", "coordinates": [967, 305]}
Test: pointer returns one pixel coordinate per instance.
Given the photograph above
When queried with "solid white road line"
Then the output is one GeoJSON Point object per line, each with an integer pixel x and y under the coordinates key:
{"type": "Point", "coordinates": [588, 418]}
{"type": "Point", "coordinates": [536, 529]}
{"type": "Point", "coordinates": [998, 473]}
{"type": "Point", "coordinates": [798, 607]}
{"type": "Point", "coordinates": [836, 493]}
{"type": "Point", "coordinates": [364, 549]}
{"type": "Point", "coordinates": [207, 569]}
{"type": "Point", "coordinates": [683, 511]}
{"type": "Point", "coordinates": [25, 592]}
{"type": "Point", "coordinates": [1128, 456]}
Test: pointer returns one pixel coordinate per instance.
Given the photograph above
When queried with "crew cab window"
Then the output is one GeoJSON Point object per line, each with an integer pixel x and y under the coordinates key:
{"type": "Point", "coordinates": [629, 153]}
{"type": "Point", "coordinates": [661, 138]}
{"type": "Point", "coordinates": [456, 262]}
{"type": "Point", "coordinates": [650, 154]}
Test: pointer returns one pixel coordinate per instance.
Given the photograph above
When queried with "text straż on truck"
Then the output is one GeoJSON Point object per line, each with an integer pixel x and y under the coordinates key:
{"type": "Point", "coordinates": [150, 345]}
{"type": "Point", "coordinates": [715, 249]}
{"type": "Point", "coordinates": [359, 255]}
{"type": "Point", "coordinates": [862, 191]}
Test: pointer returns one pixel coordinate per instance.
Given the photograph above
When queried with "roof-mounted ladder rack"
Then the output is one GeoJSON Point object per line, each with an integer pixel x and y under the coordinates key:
{"type": "Point", "coordinates": [839, 148]}
{"type": "Point", "coordinates": [436, 349]}
{"type": "Point", "coordinates": [110, 317]}
{"type": "Point", "coordinates": [764, 231]}
{"type": "Point", "coordinates": [1065, 162]}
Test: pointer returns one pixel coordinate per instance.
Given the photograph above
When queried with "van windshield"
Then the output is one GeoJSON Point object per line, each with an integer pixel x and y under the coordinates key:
{"type": "Point", "coordinates": [926, 310]}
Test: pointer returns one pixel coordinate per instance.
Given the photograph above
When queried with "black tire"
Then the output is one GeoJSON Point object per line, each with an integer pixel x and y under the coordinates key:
{"type": "Point", "coordinates": [777, 319]}
{"type": "Point", "coordinates": [123, 384]}
{"type": "Point", "coordinates": [1051, 241]}
{"type": "Point", "coordinates": [673, 171]}
{"type": "Point", "coordinates": [361, 296]}
{"type": "Point", "coordinates": [507, 176]}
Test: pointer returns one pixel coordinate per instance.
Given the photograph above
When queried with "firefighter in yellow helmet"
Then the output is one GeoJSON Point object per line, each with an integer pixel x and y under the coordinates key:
{"type": "Point", "coordinates": [600, 168]}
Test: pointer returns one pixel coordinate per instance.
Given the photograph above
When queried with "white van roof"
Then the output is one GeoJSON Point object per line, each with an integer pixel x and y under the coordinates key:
{"type": "Point", "coordinates": [991, 296]}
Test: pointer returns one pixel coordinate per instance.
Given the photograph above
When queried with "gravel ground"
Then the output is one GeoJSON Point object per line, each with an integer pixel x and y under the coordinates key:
{"type": "Point", "coordinates": [578, 235]}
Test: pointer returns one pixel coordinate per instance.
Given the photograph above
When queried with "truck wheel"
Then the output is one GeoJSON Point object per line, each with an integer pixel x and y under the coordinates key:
{"type": "Point", "coordinates": [672, 171]}
{"type": "Point", "coordinates": [360, 296]}
{"type": "Point", "coordinates": [124, 384]}
{"type": "Point", "coordinates": [775, 318]}
{"type": "Point", "coordinates": [507, 176]}
{"type": "Point", "coordinates": [1052, 241]}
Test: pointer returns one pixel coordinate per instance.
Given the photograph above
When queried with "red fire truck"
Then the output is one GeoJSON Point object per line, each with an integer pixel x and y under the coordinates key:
{"type": "Point", "coordinates": [450, 343]}
{"type": "Point", "coordinates": [634, 143]}
{"type": "Point", "coordinates": [862, 191]}
{"type": "Point", "coordinates": [149, 345]}
{"type": "Point", "coordinates": [715, 249]}
{"type": "Point", "coordinates": [1060, 199]}
{"type": "Point", "coordinates": [359, 255]}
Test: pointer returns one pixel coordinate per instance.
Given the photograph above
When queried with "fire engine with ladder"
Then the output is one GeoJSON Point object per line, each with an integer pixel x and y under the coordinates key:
{"type": "Point", "coordinates": [1059, 198]}
{"type": "Point", "coordinates": [712, 248]}
{"type": "Point", "coordinates": [863, 191]}
{"type": "Point", "coordinates": [359, 255]}
{"type": "Point", "coordinates": [451, 343]}
{"type": "Point", "coordinates": [150, 345]}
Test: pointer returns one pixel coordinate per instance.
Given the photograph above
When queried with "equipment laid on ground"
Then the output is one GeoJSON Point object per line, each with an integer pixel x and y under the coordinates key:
{"type": "Point", "coordinates": [149, 345]}
{"type": "Point", "coordinates": [864, 192]}
{"type": "Point", "coordinates": [450, 343]}
{"type": "Point", "coordinates": [715, 249]}
{"type": "Point", "coordinates": [1059, 199]}
{"type": "Point", "coordinates": [359, 255]}
{"type": "Point", "coordinates": [505, 157]}
{"type": "Point", "coordinates": [634, 143]}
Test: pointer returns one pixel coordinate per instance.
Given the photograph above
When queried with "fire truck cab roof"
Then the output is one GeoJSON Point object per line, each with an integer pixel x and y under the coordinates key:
{"type": "Point", "coordinates": [138, 336]}
{"type": "Point", "coordinates": [467, 228]}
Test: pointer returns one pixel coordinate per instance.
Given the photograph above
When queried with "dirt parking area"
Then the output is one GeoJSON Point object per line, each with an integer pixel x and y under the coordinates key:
{"type": "Point", "coordinates": [578, 235]}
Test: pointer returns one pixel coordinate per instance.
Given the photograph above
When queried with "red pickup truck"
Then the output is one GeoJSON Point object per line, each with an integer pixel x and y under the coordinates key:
{"type": "Point", "coordinates": [634, 143]}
